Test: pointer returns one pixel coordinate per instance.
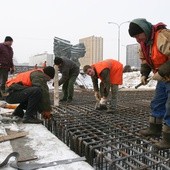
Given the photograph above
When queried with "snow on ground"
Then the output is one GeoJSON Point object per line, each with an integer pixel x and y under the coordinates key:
{"type": "Point", "coordinates": [47, 147]}
{"type": "Point", "coordinates": [130, 80]}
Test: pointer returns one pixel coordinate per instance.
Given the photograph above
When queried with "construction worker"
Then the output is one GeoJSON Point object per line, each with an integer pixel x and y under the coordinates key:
{"type": "Point", "coordinates": [6, 63]}
{"type": "Point", "coordinates": [70, 72]}
{"type": "Point", "coordinates": [110, 73]}
{"type": "Point", "coordinates": [154, 52]}
{"type": "Point", "coordinates": [44, 64]}
{"type": "Point", "coordinates": [31, 91]}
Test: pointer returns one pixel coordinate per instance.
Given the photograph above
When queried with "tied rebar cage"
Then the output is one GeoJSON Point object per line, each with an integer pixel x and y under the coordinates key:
{"type": "Point", "coordinates": [110, 141]}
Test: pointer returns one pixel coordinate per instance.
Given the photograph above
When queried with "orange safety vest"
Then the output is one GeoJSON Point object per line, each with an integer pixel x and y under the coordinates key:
{"type": "Point", "coordinates": [115, 67]}
{"type": "Point", "coordinates": [24, 78]}
{"type": "Point", "coordinates": [157, 57]}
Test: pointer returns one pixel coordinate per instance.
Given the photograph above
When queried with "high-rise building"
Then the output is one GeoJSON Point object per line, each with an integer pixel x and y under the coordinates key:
{"type": "Point", "coordinates": [94, 50]}
{"type": "Point", "coordinates": [132, 56]}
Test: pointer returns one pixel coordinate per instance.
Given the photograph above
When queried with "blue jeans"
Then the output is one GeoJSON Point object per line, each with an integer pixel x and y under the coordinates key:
{"type": "Point", "coordinates": [160, 105]}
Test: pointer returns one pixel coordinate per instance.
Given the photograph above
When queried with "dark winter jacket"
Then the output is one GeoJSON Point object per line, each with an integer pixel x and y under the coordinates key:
{"type": "Point", "coordinates": [6, 56]}
{"type": "Point", "coordinates": [68, 69]}
{"type": "Point", "coordinates": [38, 79]}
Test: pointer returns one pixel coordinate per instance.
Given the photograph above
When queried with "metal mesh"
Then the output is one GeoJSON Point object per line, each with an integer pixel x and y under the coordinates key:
{"type": "Point", "coordinates": [110, 141]}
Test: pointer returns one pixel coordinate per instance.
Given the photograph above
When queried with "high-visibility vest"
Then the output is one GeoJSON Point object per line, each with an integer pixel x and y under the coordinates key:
{"type": "Point", "coordinates": [156, 56]}
{"type": "Point", "coordinates": [115, 67]}
{"type": "Point", "coordinates": [24, 78]}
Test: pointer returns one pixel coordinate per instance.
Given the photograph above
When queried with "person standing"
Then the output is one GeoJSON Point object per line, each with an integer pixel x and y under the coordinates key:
{"type": "Point", "coordinates": [44, 64]}
{"type": "Point", "coordinates": [6, 63]}
{"type": "Point", "coordinates": [70, 72]}
{"type": "Point", "coordinates": [154, 53]}
{"type": "Point", "coordinates": [31, 91]}
{"type": "Point", "coordinates": [110, 72]}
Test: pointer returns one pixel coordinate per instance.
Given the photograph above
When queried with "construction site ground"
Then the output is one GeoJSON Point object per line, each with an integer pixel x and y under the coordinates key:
{"type": "Point", "coordinates": [107, 141]}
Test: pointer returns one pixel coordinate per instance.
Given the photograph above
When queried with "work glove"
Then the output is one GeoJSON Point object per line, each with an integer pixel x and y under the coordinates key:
{"type": "Point", "coordinates": [97, 95]}
{"type": "Point", "coordinates": [158, 77]}
{"type": "Point", "coordinates": [103, 101]}
{"type": "Point", "coordinates": [102, 104]}
{"type": "Point", "coordinates": [46, 114]}
{"type": "Point", "coordinates": [143, 80]}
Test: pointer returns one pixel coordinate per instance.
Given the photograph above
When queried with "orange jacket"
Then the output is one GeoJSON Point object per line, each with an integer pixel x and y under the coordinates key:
{"type": "Point", "coordinates": [24, 78]}
{"type": "Point", "coordinates": [157, 57]}
{"type": "Point", "coordinates": [115, 67]}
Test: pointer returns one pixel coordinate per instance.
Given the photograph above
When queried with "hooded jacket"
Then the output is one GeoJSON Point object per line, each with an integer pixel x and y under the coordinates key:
{"type": "Point", "coordinates": [156, 50]}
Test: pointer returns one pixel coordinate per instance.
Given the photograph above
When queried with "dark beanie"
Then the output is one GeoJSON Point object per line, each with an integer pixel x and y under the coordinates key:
{"type": "Point", "coordinates": [50, 71]}
{"type": "Point", "coordinates": [58, 60]}
{"type": "Point", "coordinates": [8, 38]}
{"type": "Point", "coordinates": [134, 29]}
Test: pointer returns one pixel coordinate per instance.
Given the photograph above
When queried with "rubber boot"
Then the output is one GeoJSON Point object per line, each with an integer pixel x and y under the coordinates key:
{"type": "Point", "coordinates": [154, 129]}
{"type": "Point", "coordinates": [18, 112]}
{"type": "Point", "coordinates": [165, 142]}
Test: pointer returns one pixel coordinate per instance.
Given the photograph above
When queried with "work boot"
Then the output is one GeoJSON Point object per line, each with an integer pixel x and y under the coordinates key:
{"type": "Point", "coordinates": [101, 107]}
{"type": "Point", "coordinates": [18, 112]}
{"type": "Point", "coordinates": [32, 120]}
{"type": "Point", "coordinates": [165, 142]}
{"type": "Point", "coordinates": [154, 129]}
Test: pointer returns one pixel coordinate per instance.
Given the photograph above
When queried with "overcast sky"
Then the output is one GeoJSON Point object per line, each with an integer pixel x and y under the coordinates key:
{"type": "Point", "coordinates": [33, 24]}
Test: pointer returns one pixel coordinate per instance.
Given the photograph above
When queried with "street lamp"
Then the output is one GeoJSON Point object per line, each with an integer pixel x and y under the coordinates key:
{"type": "Point", "coordinates": [118, 25]}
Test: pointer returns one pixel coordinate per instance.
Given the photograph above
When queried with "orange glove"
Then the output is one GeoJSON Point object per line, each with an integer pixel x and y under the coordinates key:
{"type": "Point", "coordinates": [46, 114]}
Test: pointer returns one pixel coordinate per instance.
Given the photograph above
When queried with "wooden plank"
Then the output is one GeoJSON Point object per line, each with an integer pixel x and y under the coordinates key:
{"type": "Point", "coordinates": [13, 136]}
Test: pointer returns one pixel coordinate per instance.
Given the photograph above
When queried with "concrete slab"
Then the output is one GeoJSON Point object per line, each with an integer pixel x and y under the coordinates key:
{"type": "Point", "coordinates": [42, 144]}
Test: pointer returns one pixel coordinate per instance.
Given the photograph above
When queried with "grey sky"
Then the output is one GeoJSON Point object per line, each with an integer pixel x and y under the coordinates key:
{"type": "Point", "coordinates": [34, 23]}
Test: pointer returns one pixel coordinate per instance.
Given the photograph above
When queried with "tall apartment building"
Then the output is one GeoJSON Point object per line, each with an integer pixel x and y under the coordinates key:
{"type": "Point", "coordinates": [132, 56]}
{"type": "Point", "coordinates": [94, 50]}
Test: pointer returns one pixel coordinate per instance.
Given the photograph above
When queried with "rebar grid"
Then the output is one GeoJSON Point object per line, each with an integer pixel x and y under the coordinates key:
{"type": "Point", "coordinates": [110, 141]}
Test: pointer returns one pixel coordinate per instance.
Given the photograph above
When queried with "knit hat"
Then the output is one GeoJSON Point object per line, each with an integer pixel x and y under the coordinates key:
{"type": "Point", "coordinates": [50, 71]}
{"type": "Point", "coordinates": [134, 29]}
{"type": "Point", "coordinates": [8, 38]}
{"type": "Point", "coordinates": [58, 61]}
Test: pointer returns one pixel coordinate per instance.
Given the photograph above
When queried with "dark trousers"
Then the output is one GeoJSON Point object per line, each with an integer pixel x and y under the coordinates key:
{"type": "Point", "coordinates": [3, 78]}
{"type": "Point", "coordinates": [68, 88]}
{"type": "Point", "coordinates": [29, 97]}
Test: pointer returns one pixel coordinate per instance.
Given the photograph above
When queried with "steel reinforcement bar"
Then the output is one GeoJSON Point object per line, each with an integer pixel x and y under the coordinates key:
{"type": "Point", "coordinates": [110, 141]}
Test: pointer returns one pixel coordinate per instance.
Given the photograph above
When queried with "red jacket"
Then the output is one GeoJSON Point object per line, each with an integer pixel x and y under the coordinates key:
{"type": "Point", "coordinates": [6, 56]}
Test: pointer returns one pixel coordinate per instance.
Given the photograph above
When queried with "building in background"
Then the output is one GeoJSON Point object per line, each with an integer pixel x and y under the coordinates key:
{"type": "Point", "coordinates": [132, 56]}
{"type": "Point", "coordinates": [94, 50]}
{"type": "Point", "coordinates": [39, 59]}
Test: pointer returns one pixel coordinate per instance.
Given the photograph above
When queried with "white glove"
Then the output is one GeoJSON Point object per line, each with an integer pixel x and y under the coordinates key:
{"type": "Point", "coordinates": [97, 95]}
{"type": "Point", "coordinates": [143, 80]}
{"type": "Point", "coordinates": [103, 101]}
